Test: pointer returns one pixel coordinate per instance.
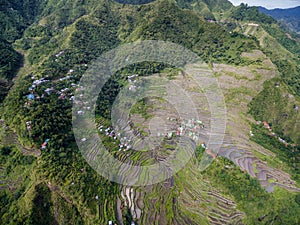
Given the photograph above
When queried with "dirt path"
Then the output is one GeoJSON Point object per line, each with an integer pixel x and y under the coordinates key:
{"type": "Point", "coordinates": [247, 30]}
{"type": "Point", "coordinates": [262, 40]}
{"type": "Point", "coordinates": [251, 29]}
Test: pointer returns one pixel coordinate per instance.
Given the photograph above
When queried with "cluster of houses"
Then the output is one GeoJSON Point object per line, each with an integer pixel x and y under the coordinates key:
{"type": "Point", "coordinates": [167, 134]}
{"type": "Point", "coordinates": [125, 142]}
{"type": "Point", "coordinates": [32, 95]}
{"type": "Point", "coordinates": [190, 128]}
{"type": "Point", "coordinates": [131, 79]}
{"type": "Point", "coordinates": [85, 105]}
{"type": "Point", "coordinates": [251, 133]}
{"type": "Point", "coordinates": [63, 93]}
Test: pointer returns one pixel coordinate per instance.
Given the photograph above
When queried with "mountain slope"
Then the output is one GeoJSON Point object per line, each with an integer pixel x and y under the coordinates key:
{"type": "Point", "coordinates": [15, 17]}
{"type": "Point", "coordinates": [59, 186]}
{"type": "Point", "coordinates": [290, 17]}
{"type": "Point", "coordinates": [209, 9]}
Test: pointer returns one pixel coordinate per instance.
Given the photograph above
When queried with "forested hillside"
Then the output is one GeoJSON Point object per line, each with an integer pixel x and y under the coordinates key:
{"type": "Point", "coordinates": [46, 47]}
{"type": "Point", "coordinates": [15, 16]}
{"type": "Point", "coordinates": [284, 50]}
{"type": "Point", "coordinates": [289, 17]}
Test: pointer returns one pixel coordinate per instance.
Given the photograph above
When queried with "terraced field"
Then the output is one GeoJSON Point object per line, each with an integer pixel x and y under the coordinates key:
{"type": "Point", "coordinates": [240, 85]}
{"type": "Point", "coordinates": [12, 179]}
{"type": "Point", "coordinates": [9, 137]}
{"type": "Point", "coordinates": [187, 199]}
{"type": "Point", "coordinates": [195, 200]}
{"type": "Point", "coordinates": [250, 29]}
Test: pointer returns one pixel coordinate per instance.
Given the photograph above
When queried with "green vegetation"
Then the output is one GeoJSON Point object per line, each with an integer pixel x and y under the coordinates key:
{"type": "Point", "coordinates": [16, 16]}
{"type": "Point", "coordinates": [16, 177]}
{"type": "Point", "coordinates": [276, 106]}
{"type": "Point", "coordinates": [287, 64]}
{"type": "Point", "coordinates": [211, 9]}
{"type": "Point", "coordinates": [246, 13]}
{"type": "Point", "coordinates": [260, 207]}
{"type": "Point", "coordinates": [288, 154]}
{"type": "Point", "coordinates": [293, 45]}
{"type": "Point", "coordinates": [275, 103]}
{"type": "Point", "coordinates": [141, 108]}
{"type": "Point", "coordinates": [61, 39]}
{"type": "Point", "coordinates": [288, 18]}
{"type": "Point", "coordinates": [210, 41]}
{"type": "Point", "coordinates": [10, 61]}
{"type": "Point", "coordinates": [41, 211]}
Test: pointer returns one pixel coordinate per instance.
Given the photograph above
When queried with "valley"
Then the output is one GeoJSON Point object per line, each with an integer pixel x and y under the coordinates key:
{"type": "Point", "coordinates": [248, 174]}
